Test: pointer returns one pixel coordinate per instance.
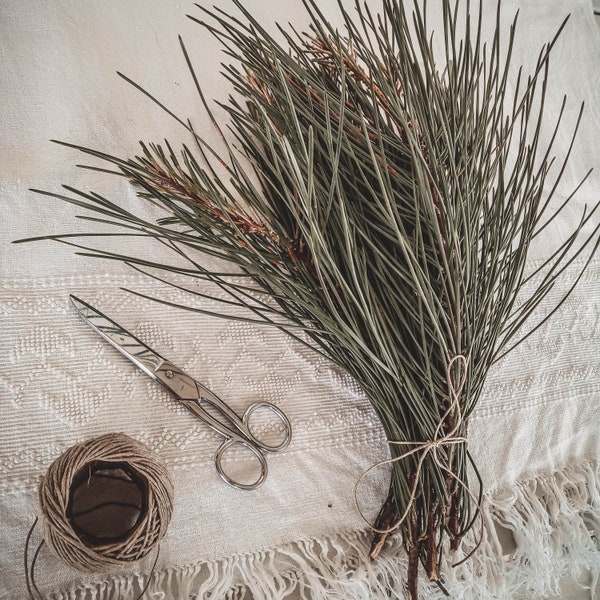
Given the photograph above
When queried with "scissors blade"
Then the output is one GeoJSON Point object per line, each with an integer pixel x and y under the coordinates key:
{"type": "Point", "coordinates": [125, 342]}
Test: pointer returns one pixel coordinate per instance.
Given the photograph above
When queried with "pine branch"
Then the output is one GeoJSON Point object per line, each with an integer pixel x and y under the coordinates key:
{"type": "Point", "coordinates": [398, 196]}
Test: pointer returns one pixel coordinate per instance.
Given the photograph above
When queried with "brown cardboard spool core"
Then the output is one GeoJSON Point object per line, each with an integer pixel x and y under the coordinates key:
{"type": "Point", "coordinates": [107, 501]}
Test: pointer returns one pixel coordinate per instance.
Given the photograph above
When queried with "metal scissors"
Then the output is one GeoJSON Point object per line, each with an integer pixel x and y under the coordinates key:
{"type": "Point", "coordinates": [193, 395]}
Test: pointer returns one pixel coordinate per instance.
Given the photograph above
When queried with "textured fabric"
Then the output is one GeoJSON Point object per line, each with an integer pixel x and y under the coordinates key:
{"type": "Point", "coordinates": [535, 435]}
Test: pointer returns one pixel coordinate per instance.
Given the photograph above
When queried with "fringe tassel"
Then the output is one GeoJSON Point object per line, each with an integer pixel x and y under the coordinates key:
{"type": "Point", "coordinates": [536, 533]}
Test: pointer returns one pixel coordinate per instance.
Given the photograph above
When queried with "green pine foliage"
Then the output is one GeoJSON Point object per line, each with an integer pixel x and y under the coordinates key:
{"type": "Point", "coordinates": [378, 203]}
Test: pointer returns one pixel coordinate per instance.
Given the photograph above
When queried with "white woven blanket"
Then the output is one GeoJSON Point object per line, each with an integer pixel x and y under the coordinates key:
{"type": "Point", "coordinates": [535, 435]}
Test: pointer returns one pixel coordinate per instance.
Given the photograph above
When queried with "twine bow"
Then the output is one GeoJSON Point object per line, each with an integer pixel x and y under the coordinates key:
{"type": "Point", "coordinates": [428, 447]}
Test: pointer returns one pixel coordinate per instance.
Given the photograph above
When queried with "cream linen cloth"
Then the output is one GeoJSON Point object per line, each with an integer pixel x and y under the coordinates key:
{"type": "Point", "coordinates": [535, 435]}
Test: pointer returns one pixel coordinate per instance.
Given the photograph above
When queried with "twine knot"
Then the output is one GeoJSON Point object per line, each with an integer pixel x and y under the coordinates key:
{"type": "Point", "coordinates": [428, 446]}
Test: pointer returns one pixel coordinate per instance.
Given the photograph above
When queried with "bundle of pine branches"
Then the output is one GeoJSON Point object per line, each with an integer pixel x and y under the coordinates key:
{"type": "Point", "coordinates": [385, 219]}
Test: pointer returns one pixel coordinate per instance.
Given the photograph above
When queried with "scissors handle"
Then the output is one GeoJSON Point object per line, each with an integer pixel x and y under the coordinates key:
{"type": "Point", "coordinates": [282, 417]}
{"type": "Point", "coordinates": [249, 441]}
{"type": "Point", "coordinates": [249, 445]}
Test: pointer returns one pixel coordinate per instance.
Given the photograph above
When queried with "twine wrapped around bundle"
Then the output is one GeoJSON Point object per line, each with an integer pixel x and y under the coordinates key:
{"type": "Point", "coordinates": [426, 447]}
{"type": "Point", "coordinates": [85, 552]}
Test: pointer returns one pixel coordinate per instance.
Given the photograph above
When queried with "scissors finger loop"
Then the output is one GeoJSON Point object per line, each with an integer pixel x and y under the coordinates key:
{"type": "Point", "coordinates": [227, 445]}
{"type": "Point", "coordinates": [282, 417]}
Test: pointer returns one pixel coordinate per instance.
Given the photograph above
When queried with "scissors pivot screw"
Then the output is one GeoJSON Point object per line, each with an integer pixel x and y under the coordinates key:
{"type": "Point", "coordinates": [169, 374]}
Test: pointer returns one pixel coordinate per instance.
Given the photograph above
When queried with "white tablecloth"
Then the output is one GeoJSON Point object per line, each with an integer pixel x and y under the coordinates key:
{"type": "Point", "coordinates": [535, 434]}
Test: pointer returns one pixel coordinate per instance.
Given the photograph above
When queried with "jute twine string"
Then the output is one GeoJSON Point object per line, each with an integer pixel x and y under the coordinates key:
{"type": "Point", "coordinates": [430, 447]}
{"type": "Point", "coordinates": [113, 450]}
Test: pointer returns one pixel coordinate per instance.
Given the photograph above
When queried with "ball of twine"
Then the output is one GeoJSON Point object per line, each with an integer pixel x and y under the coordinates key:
{"type": "Point", "coordinates": [113, 450]}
